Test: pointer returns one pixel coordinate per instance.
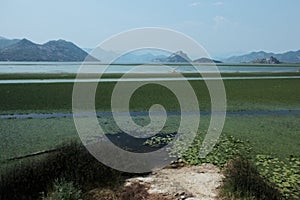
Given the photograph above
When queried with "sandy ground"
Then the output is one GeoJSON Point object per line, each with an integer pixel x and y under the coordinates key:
{"type": "Point", "coordinates": [187, 182]}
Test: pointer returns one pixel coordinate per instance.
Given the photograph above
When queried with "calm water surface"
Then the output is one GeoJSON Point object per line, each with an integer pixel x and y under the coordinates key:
{"type": "Point", "coordinates": [57, 67]}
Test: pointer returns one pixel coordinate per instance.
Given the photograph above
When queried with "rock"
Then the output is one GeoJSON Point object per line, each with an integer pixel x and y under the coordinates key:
{"type": "Point", "coordinates": [268, 60]}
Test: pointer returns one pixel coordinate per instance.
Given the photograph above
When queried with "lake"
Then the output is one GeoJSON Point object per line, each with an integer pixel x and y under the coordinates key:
{"type": "Point", "coordinates": [62, 67]}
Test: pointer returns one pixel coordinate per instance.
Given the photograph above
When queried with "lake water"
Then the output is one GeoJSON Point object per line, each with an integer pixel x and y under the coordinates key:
{"type": "Point", "coordinates": [57, 67]}
{"type": "Point", "coordinates": [26, 81]}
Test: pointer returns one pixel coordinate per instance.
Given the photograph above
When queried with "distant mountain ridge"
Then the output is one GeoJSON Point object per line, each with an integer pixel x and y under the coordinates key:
{"type": "Point", "coordinates": [139, 58]}
{"type": "Point", "coordinates": [52, 51]}
{"type": "Point", "coordinates": [7, 42]}
{"type": "Point", "coordinates": [64, 51]}
{"type": "Point", "coordinates": [206, 60]}
{"type": "Point", "coordinates": [177, 57]}
{"type": "Point", "coordinates": [181, 57]}
{"type": "Point", "coordinates": [287, 57]}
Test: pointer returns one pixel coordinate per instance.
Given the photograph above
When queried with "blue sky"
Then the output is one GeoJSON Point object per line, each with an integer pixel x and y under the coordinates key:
{"type": "Point", "coordinates": [223, 27]}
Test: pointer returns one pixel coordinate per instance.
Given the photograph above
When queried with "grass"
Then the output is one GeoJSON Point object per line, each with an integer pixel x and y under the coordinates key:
{"type": "Point", "coordinates": [64, 190]}
{"type": "Point", "coordinates": [271, 142]}
{"type": "Point", "coordinates": [243, 181]}
{"type": "Point", "coordinates": [281, 132]}
{"type": "Point", "coordinates": [270, 94]}
{"type": "Point", "coordinates": [72, 163]}
{"type": "Point", "coordinates": [273, 135]}
{"type": "Point", "coordinates": [17, 76]}
{"type": "Point", "coordinates": [24, 136]}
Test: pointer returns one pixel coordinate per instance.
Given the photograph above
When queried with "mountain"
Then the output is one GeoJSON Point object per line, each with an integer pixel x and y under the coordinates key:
{"type": "Point", "coordinates": [64, 51]}
{"type": "Point", "coordinates": [247, 58]}
{"type": "Point", "coordinates": [206, 60]}
{"type": "Point", "coordinates": [287, 57]}
{"type": "Point", "coordinates": [269, 60]}
{"type": "Point", "coordinates": [135, 57]}
{"type": "Point", "coordinates": [177, 57]}
{"type": "Point", "coordinates": [52, 51]}
{"type": "Point", "coordinates": [6, 42]}
{"type": "Point", "coordinates": [139, 58]}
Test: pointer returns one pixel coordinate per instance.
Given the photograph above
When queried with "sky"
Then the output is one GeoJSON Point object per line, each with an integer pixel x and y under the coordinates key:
{"type": "Point", "coordinates": [222, 27]}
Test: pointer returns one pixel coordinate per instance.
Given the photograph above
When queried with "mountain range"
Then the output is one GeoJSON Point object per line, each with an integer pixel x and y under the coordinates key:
{"type": "Point", "coordinates": [6, 42]}
{"type": "Point", "coordinates": [287, 57]}
{"type": "Point", "coordinates": [181, 57]}
{"type": "Point", "coordinates": [142, 57]}
{"type": "Point", "coordinates": [145, 56]}
{"type": "Point", "coordinates": [52, 51]}
{"type": "Point", "coordinates": [64, 51]}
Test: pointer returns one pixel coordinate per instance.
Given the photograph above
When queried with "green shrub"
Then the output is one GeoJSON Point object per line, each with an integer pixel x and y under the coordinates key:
{"type": "Point", "coordinates": [243, 180]}
{"type": "Point", "coordinates": [72, 162]}
{"type": "Point", "coordinates": [63, 190]}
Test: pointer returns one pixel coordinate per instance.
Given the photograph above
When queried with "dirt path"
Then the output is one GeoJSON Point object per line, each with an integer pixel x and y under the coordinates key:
{"type": "Point", "coordinates": [188, 182]}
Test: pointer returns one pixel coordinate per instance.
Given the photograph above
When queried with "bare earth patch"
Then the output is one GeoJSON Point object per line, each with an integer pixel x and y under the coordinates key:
{"type": "Point", "coordinates": [188, 182]}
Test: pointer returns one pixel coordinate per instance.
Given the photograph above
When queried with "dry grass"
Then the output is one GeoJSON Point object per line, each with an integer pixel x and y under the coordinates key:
{"type": "Point", "coordinates": [242, 181]}
{"type": "Point", "coordinates": [134, 191]}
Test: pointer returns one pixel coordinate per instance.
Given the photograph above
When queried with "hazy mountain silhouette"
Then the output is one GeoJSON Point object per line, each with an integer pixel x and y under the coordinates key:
{"type": "Point", "coordinates": [52, 51]}
{"type": "Point", "coordinates": [287, 57]}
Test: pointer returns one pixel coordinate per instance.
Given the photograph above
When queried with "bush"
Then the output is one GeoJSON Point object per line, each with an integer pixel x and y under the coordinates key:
{"type": "Point", "coordinates": [243, 180]}
{"type": "Point", "coordinates": [72, 162]}
{"type": "Point", "coordinates": [64, 190]}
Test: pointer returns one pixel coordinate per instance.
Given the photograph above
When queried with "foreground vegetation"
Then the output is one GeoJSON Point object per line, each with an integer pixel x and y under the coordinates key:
{"type": "Point", "coordinates": [274, 135]}
{"type": "Point", "coordinates": [271, 94]}
{"type": "Point", "coordinates": [45, 76]}
{"type": "Point", "coordinates": [270, 143]}
{"type": "Point", "coordinates": [73, 163]}
{"type": "Point", "coordinates": [250, 175]}
{"type": "Point", "coordinates": [72, 171]}
{"type": "Point", "coordinates": [259, 153]}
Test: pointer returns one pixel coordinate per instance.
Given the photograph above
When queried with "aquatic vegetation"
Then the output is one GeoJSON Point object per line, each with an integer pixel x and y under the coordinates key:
{"type": "Point", "coordinates": [284, 173]}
